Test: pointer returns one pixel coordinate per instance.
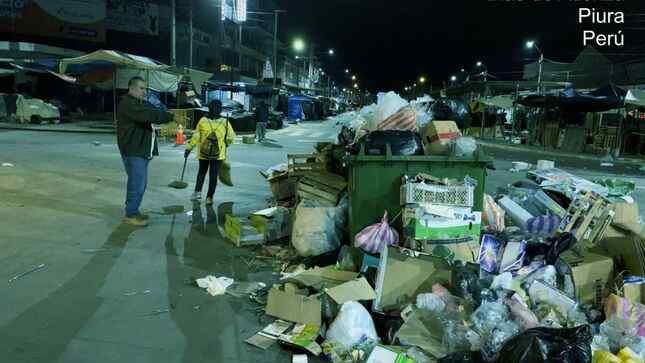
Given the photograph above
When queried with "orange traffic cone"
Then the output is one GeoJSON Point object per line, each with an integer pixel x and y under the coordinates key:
{"type": "Point", "coordinates": [180, 139]}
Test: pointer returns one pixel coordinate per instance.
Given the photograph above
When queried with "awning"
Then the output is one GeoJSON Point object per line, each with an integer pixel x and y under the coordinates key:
{"type": "Point", "coordinates": [102, 58]}
{"type": "Point", "coordinates": [198, 78]}
{"type": "Point", "coordinates": [498, 101]}
{"type": "Point", "coordinates": [603, 99]}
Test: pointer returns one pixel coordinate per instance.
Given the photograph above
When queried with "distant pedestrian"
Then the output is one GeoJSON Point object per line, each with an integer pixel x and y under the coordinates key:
{"type": "Point", "coordinates": [212, 136]}
{"type": "Point", "coordinates": [137, 145]}
{"type": "Point", "coordinates": [261, 119]}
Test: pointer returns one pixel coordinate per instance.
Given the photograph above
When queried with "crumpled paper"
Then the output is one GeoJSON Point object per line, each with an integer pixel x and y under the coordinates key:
{"type": "Point", "coordinates": [215, 285]}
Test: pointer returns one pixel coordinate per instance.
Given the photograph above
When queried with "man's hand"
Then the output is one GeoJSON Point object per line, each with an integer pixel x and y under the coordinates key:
{"type": "Point", "coordinates": [186, 153]}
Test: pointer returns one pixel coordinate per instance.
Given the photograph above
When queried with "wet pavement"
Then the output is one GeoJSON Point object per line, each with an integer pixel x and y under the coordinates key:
{"type": "Point", "coordinates": [113, 293]}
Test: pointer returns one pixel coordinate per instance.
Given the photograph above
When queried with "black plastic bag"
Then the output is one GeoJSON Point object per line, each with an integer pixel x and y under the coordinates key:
{"type": "Point", "coordinates": [547, 345]}
{"type": "Point", "coordinates": [401, 143]}
{"type": "Point", "coordinates": [552, 251]}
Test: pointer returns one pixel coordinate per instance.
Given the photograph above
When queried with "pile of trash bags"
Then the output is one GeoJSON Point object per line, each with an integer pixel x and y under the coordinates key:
{"type": "Point", "coordinates": [553, 272]}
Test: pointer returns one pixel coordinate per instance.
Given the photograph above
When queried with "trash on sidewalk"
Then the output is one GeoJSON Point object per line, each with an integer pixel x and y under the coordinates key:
{"type": "Point", "coordinates": [288, 305]}
{"type": "Point", "coordinates": [351, 326]}
{"type": "Point", "coordinates": [545, 164]}
{"type": "Point", "coordinates": [324, 188]}
{"type": "Point", "coordinates": [248, 139]}
{"type": "Point", "coordinates": [8, 165]}
{"type": "Point", "coordinates": [268, 336]}
{"type": "Point", "coordinates": [302, 337]}
{"type": "Point", "coordinates": [274, 223]}
{"type": "Point", "coordinates": [520, 166]}
{"type": "Point", "coordinates": [241, 289]}
{"type": "Point", "coordinates": [438, 135]}
{"type": "Point", "coordinates": [299, 358]}
{"type": "Point", "coordinates": [317, 229]}
{"type": "Point", "coordinates": [21, 275]}
{"type": "Point", "coordinates": [320, 278]}
{"type": "Point", "coordinates": [215, 285]}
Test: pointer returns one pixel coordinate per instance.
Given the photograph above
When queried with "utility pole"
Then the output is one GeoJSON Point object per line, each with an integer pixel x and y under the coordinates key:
{"type": "Point", "coordinates": [275, 47]}
{"type": "Point", "coordinates": [173, 34]}
{"type": "Point", "coordinates": [540, 72]}
{"type": "Point", "coordinates": [190, 34]}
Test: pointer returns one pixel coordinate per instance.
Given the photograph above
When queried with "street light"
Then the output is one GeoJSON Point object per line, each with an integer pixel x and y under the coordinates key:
{"type": "Point", "coordinates": [422, 80]}
{"type": "Point", "coordinates": [331, 52]}
{"type": "Point", "coordinates": [530, 45]}
{"type": "Point", "coordinates": [346, 70]}
{"type": "Point", "coordinates": [453, 78]}
{"type": "Point", "coordinates": [353, 78]}
{"type": "Point", "coordinates": [299, 45]}
{"type": "Point", "coordinates": [355, 85]}
{"type": "Point", "coordinates": [479, 64]}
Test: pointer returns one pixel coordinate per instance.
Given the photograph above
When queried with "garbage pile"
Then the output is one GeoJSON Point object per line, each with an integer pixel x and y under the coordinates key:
{"type": "Point", "coordinates": [549, 269]}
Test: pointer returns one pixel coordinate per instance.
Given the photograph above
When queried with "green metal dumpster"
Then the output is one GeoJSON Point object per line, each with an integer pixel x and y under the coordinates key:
{"type": "Point", "coordinates": [375, 182]}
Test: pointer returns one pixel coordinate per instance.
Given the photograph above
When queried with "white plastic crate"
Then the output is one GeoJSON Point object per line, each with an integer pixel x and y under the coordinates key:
{"type": "Point", "coordinates": [432, 194]}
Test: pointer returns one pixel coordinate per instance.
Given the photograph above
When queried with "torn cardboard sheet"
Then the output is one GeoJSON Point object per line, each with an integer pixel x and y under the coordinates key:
{"type": "Point", "coordinates": [274, 223]}
{"type": "Point", "coordinates": [382, 354]}
{"type": "Point", "coordinates": [288, 305]}
{"type": "Point", "coordinates": [270, 334]}
{"type": "Point", "coordinates": [215, 285]}
{"type": "Point", "coordinates": [320, 278]}
{"type": "Point", "coordinates": [303, 336]}
{"type": "Point", "coordinates": [356, 290]}
{"type": "Point", "coordinates": [403, 274]}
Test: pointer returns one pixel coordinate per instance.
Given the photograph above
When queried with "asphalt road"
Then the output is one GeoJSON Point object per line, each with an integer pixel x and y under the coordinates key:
{"type": "Point", "coordinates": [109, 293]}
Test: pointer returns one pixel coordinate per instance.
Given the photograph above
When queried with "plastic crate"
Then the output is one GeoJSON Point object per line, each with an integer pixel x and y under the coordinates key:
{"type": "Point", "coordinates": [448, 195]}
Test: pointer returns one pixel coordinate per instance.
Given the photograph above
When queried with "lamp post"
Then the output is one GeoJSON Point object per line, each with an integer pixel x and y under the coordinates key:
{"type": "Point", "coordinates": [530, 45]}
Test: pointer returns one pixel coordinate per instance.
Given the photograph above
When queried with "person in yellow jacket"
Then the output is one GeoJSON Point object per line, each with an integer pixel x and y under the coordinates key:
{"type": "Point", "coordinates": [211, 152]}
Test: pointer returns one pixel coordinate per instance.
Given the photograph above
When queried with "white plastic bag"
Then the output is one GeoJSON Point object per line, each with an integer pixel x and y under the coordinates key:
{"type": "Point", "coordinates": [351, 326]}
{"type": "Point", "coordinates": [465, 146]}
{"type": "Point", "coordinates": [317, 229]}
{"type": "Point", "coordinates": [390, 104]}
{"type": "Point", "coordinates": [374, 238]}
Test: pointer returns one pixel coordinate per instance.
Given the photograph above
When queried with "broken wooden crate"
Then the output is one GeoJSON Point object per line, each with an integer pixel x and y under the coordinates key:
{"type": "Point", "coordinates": [325, 188]}
{"type": "Point", "coordinates": [283, 186]}
{"type": "Point", "coordinates": [300, 164]}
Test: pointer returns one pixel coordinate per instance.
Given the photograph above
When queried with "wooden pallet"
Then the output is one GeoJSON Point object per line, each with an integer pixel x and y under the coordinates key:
{"type": "Point", "coordinates": [325, 188]}
{"type": "Point", "coordinates": [587, 217]}
{"type": "Point", "coordinates": [301, 164]}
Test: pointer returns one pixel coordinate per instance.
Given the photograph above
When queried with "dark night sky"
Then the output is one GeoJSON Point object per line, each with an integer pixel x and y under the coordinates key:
{"type": "Point", "coordinates": [388, 44]}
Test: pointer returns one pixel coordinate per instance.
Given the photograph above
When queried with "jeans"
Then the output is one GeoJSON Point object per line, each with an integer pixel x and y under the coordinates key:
{"type": "Point", "coordinates": [212, 167]}
{"type": "Point", "coordinates": [260, 130]}
{"type": "Point", "coordinates": [137, 170]}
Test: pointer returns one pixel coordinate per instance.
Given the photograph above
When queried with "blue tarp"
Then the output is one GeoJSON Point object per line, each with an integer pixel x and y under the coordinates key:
{"type": "Point", "coordinates": [296, 111]}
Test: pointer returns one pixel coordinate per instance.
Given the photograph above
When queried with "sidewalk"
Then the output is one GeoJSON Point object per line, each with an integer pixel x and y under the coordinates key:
{"type": "Point", "coordinates": [555, 154]}
{"type": "Point", "coordinates": [88, 127]}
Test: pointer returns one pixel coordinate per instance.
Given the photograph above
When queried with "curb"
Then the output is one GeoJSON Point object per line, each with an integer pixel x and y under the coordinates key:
{"type": "Point", "coordinates": [554, 153]}
{"type": "Point", "coordinates": [42, 129]}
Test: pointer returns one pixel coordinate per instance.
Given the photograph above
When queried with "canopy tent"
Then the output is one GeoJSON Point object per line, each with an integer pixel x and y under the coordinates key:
{"type": "Point", "coordinates": [505, 101]}
{"type": "Point", "coordinates": [124, 66]}
{"type": "Point", "coordinates": [603, 99]}
{"type": "Point", "coordinates": [635, 97]}
{"type": "Point", "coordinates": [198, 78]}
{"type": "Point", "coordinates": [110, 58]}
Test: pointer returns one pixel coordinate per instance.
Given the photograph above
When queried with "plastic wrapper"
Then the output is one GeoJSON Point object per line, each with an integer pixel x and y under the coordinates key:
{"type": "Point", "coordinates": [502, 281]}
{"type": "Point", "coordinates": [466, 282]}
{"type": "Point", "coordinates": [401, 143]}
{"type": "Point", "coordinates": [352, 326]}
{"type": "Point", "coordinates": [545, 345]}
{"type": "Point", "coordinates": [374, 238]}
{"type": "Point", "coordinates": [493, 216]}
{"type": "Point", "coordinates": [497, 337]}
{"type": "Point", "coordinates": [430, 302]}
{"type": "Point", "coordinates": [522, 314]}
{"type": "Point", "coordinates": [389, 104]}
{"type": "Point", "coordinates": [465, 147]}
{"type": "Point", "coordinates": [632, 314]}
{"type": "Point", "coordinates": [546, 274]}
{"type": "Point", "coordinates": [552, 250]}
{"type": "Point", "coordinates": [444, 294]}
{"type": "Point", "coordinates": [619, 333]}
{"type": "Point", "coordinates": [489, 315]}
{"type": "Point", "coordinates": [418, 355]}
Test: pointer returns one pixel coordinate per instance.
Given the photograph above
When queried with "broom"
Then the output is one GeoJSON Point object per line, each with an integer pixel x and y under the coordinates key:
{"type": "Point", "coordinates": [180, 184]}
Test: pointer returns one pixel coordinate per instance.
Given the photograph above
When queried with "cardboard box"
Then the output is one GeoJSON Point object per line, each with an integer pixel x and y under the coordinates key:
{"type": "Point", "coordinates": [288, 305]}
{"type": "Point", "coordinates": [241, 233]}
{"type": "Point", "coordinates": [320, 278]}
{"type": "Point", "coordinates": [592, 275]}
{"type": "Point", "coordinates": [275, 223]}
{"type": "Point", "coordinates": [403, 274]}
{"type": "Point", "coordinates": [626, 247]}
{"type": "Point", "coordinates": [355, 290]}
{"type": "Point", "coordinates": [460, 227]}
{"type": "Point", "coordinates": [437, 136]}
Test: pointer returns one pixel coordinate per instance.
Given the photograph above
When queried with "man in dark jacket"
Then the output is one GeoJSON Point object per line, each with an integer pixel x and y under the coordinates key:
{"type": "Point", "coordinates": [137, 144]}
{"type": "Point", "coordinates": [261, 119]}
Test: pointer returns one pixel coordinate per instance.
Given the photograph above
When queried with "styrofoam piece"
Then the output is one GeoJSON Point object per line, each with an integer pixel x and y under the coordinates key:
{"type": "Point", "coordinates": [518, 215]}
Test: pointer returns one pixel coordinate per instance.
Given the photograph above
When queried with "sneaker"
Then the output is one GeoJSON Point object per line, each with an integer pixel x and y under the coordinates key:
{"type": "Point", "coordinates": [135, 221]}
{"type": "Point", "coordinates": [196, 196]}
{"type": "Point", "coordinates": [209, 201]}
